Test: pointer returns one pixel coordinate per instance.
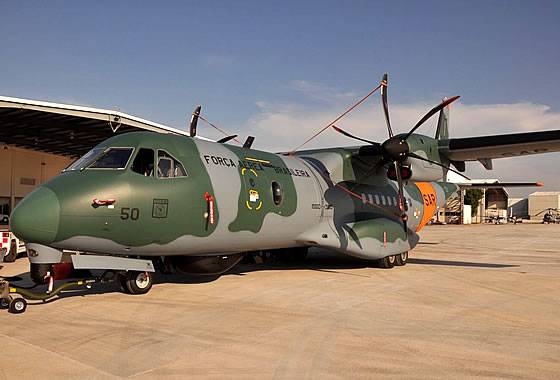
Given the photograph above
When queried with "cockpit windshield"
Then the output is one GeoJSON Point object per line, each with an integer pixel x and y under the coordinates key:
{"type": "Point", "coordinates": [102, 158]}
{"type": "Point", "coordinates": [86, 159]}
{"type": "Point", "coordinates": [112, 158]}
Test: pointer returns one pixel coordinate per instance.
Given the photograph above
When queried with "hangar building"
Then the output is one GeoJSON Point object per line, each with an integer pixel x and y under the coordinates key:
{"type": "Point", "coordinates": [39, 139]}
{"type": "Point", "coordinates": [540, 201]}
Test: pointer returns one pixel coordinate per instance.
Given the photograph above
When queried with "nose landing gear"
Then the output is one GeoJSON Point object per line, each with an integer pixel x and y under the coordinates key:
{"type": "Point", "coordinates": [133, 282]}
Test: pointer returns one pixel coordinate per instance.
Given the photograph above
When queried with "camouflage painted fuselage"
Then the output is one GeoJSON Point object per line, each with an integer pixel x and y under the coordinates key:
{"type": "Point", "coordinates": [225, 204]}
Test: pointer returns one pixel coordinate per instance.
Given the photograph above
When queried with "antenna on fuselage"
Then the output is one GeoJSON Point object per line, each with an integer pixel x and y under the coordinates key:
{"type": "Point", "coordinates": [194, 121]}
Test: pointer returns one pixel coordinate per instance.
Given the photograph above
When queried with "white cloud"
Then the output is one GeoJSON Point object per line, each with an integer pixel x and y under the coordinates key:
{"type": "Point", "coordinates": [282, 127]}
{"type": "Point", "coordinates": [320, 92]}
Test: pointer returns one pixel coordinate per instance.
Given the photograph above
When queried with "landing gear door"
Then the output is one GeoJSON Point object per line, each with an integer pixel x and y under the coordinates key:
{"type": "Point", "coordinates": [320, 186]}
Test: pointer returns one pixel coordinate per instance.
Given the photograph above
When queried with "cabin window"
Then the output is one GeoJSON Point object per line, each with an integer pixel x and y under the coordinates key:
{"type": "Point", "coordinates": [383, 200]}
{"type": "Point", "coordinates": [277, 193]}
{"type": "Point", "coordinates": [376, 198]}
{"type": "Point", "coordinates": [112, 158]}
{"type": "Point", "coordinates": [168, 166]}
{"type": "Point", "coordinates": [144, 162]}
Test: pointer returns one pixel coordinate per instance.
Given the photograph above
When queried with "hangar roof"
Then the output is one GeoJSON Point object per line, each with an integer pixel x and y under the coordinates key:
{"type": "Point", "coordinates": [65, 129]}
{"type": "Point", "coordinates": [544, 193]}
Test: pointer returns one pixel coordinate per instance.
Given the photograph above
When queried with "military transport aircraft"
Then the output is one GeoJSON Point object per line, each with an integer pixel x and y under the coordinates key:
{"type": "Point", "coordinates": [141, 201]}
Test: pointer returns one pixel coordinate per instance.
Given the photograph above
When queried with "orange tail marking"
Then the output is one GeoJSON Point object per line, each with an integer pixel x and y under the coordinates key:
{"type": "Point", "coordinates": [429, 196]}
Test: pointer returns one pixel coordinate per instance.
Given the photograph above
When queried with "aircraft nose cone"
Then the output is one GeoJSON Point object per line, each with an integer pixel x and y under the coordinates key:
{"type": "Point", "coordinates": [35, 219]}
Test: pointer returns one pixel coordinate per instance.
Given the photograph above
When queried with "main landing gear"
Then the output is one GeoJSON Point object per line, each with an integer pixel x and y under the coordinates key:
{"type": "Point", "coordinates": [392, 261]}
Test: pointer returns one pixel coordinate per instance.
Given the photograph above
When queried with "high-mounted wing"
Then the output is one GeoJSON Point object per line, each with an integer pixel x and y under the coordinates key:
{"type": "Point", "coordinates": [500, 146]}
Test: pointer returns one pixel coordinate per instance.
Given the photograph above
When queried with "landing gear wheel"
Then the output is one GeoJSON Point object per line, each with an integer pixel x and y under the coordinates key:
{"type": "Point", "coordinates": [387, 262]}
{"type": "Point", "coordinates": [401, 259]}
{"type": "Point", "coordinates": [4, 303]}
{"type": "Point", "coordinates": [17, 305]}
{"type": "Point", "coordinates": [138, 282]}
{"type": "Point", "coordinates": [122, 282]}
{"type": "Point", "coordinates": [11, 257]}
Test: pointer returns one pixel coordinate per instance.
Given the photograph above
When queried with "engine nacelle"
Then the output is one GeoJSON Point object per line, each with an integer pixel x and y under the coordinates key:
{"type": "Point", "coordinates": [423, 171]}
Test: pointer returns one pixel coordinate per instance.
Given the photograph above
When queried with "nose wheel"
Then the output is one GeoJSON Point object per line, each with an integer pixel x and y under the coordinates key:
{"type": "Point", "coordinates": [133, 282]}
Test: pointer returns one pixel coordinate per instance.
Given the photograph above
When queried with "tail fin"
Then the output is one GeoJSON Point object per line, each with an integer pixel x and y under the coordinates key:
{"type": "Point", "coordinates": [442, 132]}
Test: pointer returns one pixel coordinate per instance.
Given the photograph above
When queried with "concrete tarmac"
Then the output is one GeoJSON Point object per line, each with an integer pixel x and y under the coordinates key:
{"type": "Point", "coordinates": [474, 301]}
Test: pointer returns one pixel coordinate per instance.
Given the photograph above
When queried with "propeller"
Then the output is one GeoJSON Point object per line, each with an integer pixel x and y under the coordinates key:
{"type": "Point", "coordinates": [396, 149]}
{"type": "Point", "coordinates": [194, 121]}
{"type": "Point", "coordinates": [397, 163]}
{"type": "Point", "coordinates": [343, 132]}
{"type": "Point", "coordinates": [226, 139]}
{"type": "Point", "coordinates": [248, 142]}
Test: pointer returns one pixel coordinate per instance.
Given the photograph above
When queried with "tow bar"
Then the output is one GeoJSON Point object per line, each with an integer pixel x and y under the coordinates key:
{"type": "Point", "coordinates": [15, 298]}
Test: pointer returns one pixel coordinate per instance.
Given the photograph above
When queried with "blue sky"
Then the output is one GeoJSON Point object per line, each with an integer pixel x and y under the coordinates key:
{"type": "Point", "coordinates": [242, 59]}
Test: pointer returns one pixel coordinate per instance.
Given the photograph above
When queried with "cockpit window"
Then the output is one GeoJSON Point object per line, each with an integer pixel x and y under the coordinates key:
{"type": "Point", "coordinates": [86, 159]}
{"type": "Point", "coordinates": [168, 166]}
{"type": "Point", "coordinates": [112, 158]}
{"type": "Point", "coordinates": [144, 162]}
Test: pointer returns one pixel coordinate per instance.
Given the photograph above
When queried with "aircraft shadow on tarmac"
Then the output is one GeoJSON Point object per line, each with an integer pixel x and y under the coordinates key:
{"type": "Point", "coordinates": [330, 262]}
{"type": "Point", "coordinates": [458, 263]}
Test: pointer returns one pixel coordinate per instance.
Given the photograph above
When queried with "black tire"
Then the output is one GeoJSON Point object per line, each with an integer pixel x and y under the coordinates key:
{"type": "Point", "coordinates": [401, 259]}
{"type": "Point", "coordinates": [11, 257]}
{"type": "Point", "coordinates": [4, 303]}
{"type": "Point", "coordinates": [138, 282]}
{"type": "Point", "coordinates": [387, 262]}
{"type": "Point", "coordinates": [17, 305]}
{"type": "Point", "coordinates": [122, 283]}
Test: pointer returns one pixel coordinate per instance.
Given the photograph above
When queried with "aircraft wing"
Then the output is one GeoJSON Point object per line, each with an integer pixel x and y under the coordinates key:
{"type": "Point", "coordinates": [500, 146]}
{"type": "Point", "coordinates": [496, 185]}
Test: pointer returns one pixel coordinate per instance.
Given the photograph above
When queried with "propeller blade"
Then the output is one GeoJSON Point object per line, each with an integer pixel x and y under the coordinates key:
{"type": "Point", "coordinates": [249, 142]}
{"type": "Point", "coordinates": [342, 131]}
{"type": "Point", "coordinates": [431, 113]}
{"type": "Point", "coordinates": [226, 139]}
{"type": "Point", "coordinates": [194, 121]}
{"type": "Point", "coordinates": [414, 155]}
{"type": "Point", "coordinates": [384, 87]}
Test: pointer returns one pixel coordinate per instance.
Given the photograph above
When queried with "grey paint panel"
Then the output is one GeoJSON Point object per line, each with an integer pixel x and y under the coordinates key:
{"type": "Point", "coordinates": [111, 262]}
